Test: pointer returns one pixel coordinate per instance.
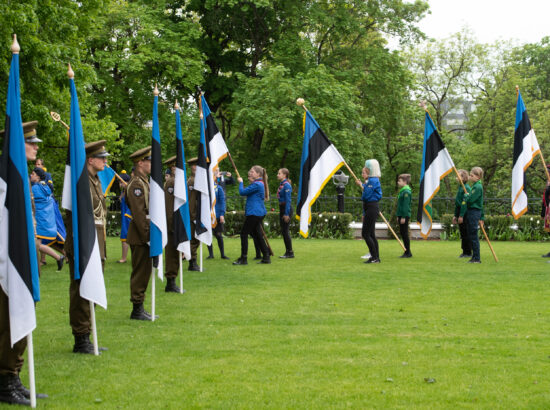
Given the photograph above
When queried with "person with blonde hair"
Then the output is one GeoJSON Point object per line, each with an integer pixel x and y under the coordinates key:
{"type": "Point", "coordinates": [372, 193]}
{"type": "Point", "coordinates": [256, 193]}
{"type": "Point", "coordinates": [460, 209]}
{"type": "Point", "coordinates": [474, 212]}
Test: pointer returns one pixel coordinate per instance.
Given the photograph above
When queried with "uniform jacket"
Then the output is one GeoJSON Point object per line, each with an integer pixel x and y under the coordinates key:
{"type": "Point", "coordinates": [220, 201]}
{"type": "Point", "coordinates": [169, 203]}
{"type": "Point", "coordinates": [254, 198]}
{"type": "Point", "coordinates": [474, 200]}
{"type": "Point", "coordinates": [404, 202]}
{"type": "Point", "coordinates": [372, 191]}
{"type": "Point", "coordinates": [284, 194]}
{"type": "Point", "coordinates": [460, 203]}
{"type": "Point", "coordinates": [137, 197]}
{"type": "Point", "coordinates": [46, 227]}
{"type": "Point", "coordinates": [192, 197]}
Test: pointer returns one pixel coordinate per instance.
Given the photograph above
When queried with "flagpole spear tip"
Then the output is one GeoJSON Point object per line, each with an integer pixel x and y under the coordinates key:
{"type": "Point", "coordinates": [156, 91]}
{"type": "Point", "coordinates": [15, 45]}
{"type": "Point", "coordinates": [70, 72]}
{"type": "Point", "coordinates": [176, 105]}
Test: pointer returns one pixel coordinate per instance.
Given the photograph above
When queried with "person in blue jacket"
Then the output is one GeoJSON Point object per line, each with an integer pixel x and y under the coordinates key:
{"type": "Point", "coordinates": [372, 193]}
{"type": "Point", "coordinates": [256, 193]}
{"type": "Point", "coordinates": [220, 219]}
{"type": "Point", "coordinates": [125, 215]}
{"type": "Point", "coordinates": [284, 194]}
{"type": "Point", "coordinates": [46, 228]}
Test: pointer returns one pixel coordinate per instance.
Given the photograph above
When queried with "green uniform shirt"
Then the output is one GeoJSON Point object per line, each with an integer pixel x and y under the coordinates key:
{"type": "Point", "coordinates": [475, 198]}
{"type": "Point", "coordinates": [404, 202]}
{"type": "Point", "coordinates": [460, 203]}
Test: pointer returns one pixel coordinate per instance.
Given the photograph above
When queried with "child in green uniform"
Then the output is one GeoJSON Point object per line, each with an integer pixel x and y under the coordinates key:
{"type": "Point", "coordinates": [474, 213]}
{"type": "Point", "coordinates": [404, 211]}
{"type": "Point", "coordinates": [460, 210]}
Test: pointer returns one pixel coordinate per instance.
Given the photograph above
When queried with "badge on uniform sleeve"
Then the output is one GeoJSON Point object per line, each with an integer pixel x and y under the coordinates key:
{"type": "Point", "coordinates": [170, 190]}
{"type": "Point", "coordinates": [138, 192]}
{"type": "Point", "coordinates": [190, 187]}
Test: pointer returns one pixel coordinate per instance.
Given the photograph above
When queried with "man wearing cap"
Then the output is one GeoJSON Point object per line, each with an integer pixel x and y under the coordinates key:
{"type": "Point", "coordinates": [79, 308]}
{"type": "Point", "coordinates": [137, 196]}
{"type": "Point", "coordinates": [11, 358]}
{"type": "Point", "coordinates": [171, 251]}
{"type": "Point", "coordinates": [193, 199]}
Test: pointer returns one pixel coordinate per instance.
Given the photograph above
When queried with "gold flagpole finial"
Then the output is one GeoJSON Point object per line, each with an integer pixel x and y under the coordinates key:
{"type": "Point", "coordinates": [424, 105]}
{"type": "Point", "coordinates": [300, 102]}
{"type": "Point", "coordinates": [70, 72]}
{"type": "Point", "coordinates": [15, 45]}
{"type": "Point", "coordinates": [156, 91]}
{"type": "Point", "coordinates": [176, 105]}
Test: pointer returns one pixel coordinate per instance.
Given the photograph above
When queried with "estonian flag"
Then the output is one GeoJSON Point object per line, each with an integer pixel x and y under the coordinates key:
{"type": "Point", "coordinates": [158, 232]}
{"type": "Point", "coordinates": [18, 261]}
{"type": "Point", "coordinates": [436, 164]}
{"type": "Point", "coordinates": [78, 199]}
{"type": "Point", "coordinates": [204, 184]}
{"type": "Point", "coordinates": [182, 224]}
{"type": "Point", "coordinates": [320, 161]}
{"type": "Point", "coordinates": [106, 177]}
{"type": "Point", "coordinates": [526, 147]}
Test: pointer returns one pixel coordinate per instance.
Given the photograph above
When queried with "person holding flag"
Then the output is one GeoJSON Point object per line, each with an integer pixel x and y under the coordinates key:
{"type": "Point", "coordinates": [79, 307]}
{"type": "Point", "coordinates": [137, 195]}
{"type": "Point", "coordinates": [19, 276]}
{"type": "Point", "coordinates": [172, 254]}
{"type": "Point", "coordinates": [193, 200]}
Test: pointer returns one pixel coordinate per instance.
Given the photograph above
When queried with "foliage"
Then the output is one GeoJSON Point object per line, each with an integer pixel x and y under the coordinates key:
{"type": "Point", "coordinates": [330, 225]}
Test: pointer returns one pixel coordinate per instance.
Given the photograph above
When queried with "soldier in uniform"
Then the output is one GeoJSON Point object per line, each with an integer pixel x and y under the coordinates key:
{"type": "Point", "coordinates": [137, 195]}
{"type": "Point", "coordinates": [11, 358]}
{"type": "Point", "coordinates": [79, 308]}
{"type": "Point", "coordinates": [193, 197]}
{"type": "Point", "coordinates": [171, 251]}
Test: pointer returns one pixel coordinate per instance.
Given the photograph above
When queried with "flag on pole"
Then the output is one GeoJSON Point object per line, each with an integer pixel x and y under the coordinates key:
{"type": "Point", "coordinates": [106, 177]}
{"type": "Point", "coordinates": [436, 164]}
{"type": "Point", "coordinates": [182, 221]}
{"type": "Point", "coordinates": [320, 161]}
{"type": "Point", "coordinates": [203, 184]}
{"type": "Point", "coordinates": [18, 261]}
{"type": "Point", "coordinates": [77, 199]}
{"type": "Point", "coordinates": [526, 147]}
{"type": "Point", "coordinates": [158, 232]}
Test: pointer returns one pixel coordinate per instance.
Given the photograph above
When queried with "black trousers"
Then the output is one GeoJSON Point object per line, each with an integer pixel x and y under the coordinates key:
{"type": "Point", "coordinates": [404, 231]}
{"type": "Point", "coordinates": [253, 226]}
{"type": "Point", "coordinates": [466, 244]}
{"type": "Point", "coordinates": [285, 227]}
{"type": "Point", "coordinates": [218, 234]}
{"type": "Point", "coordinates": [369, 227]}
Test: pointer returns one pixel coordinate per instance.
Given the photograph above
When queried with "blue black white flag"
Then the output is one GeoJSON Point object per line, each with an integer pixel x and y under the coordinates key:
{"type": "Point", "coordinates": [158, 232]}
{"type": "Point", "coordinates": [182, 224]}
{"type": "Point", "coordinates": [78, 200]}
{"type": "Point", "coordinates": [526, 147]}
{"type": "Point", "coordinates": [204, 184]}
{"type": "Point", "coordinates": [106, 177]}
{"type": "Point", "coordinates": [436, 164]}
{"type": "Point", "coordinates": [320, 161]}
{"type": "Point", "coordinates": [18, 261]}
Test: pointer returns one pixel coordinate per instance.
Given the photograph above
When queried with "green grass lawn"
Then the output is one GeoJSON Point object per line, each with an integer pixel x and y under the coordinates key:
{"type": "Point", "coordinates": [321, 330]}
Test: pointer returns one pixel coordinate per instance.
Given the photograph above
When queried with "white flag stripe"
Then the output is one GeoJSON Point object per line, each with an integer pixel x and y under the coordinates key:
{"type": "Point", "coordinates": [325, 167]}
{"type": "Point", "coordinates": [218, 150]}
{"type": "Point", "coordinates": [180, 191]}
{"type": "Point", "coordinates": [201, 181]}
{"type": "Point", "coordinates": [92, 283]}
{"type": "Point", "coordinates": [66, 199]}
{"type": "Point", "coordinates": [157, 212]}
{"type": "Point", "coordinates": [530, 150]}
{"type": "Point", "coordinates": [21, 306]}
{"type": "Point", "coordinates": [3, 191]}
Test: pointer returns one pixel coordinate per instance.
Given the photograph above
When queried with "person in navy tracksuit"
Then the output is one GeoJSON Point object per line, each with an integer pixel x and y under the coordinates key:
{"type": "Point", "coordinates": [285, 211]}
{"type": "Point", "coordinates": [220, 220]}
{"type": "Point", "coordinates": [372, 193]}
{"type": "Point", "coordinates": [256, 193]}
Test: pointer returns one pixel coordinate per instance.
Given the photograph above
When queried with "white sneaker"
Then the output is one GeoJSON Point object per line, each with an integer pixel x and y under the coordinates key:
{"type": "Point", "coordinates": [365, 256]}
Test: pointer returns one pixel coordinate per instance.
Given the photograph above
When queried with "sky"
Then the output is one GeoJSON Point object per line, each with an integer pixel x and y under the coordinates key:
{"type": "Point", "coordinates": [525, 21]}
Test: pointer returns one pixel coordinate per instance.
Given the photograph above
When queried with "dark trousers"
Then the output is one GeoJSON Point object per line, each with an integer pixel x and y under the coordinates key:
{"type": "Point", "coordinates": [11, 358]}
{"type": "Point", "coordinates": [404, 231]}
{"type": "Point", "coordinates": [218, 231]}
{"type": "Point", "coordinates": [466, 245]}
{"type": "Point", "coordinates": [142, 265]}
{"type": "Point", "coordinates": [171, 258]}
{"type": "Point", "coordinates": [253, 226]}
{"type": "Point", "coordinates": [472, 217]}
{"type": "Point", "coordinates": [285, 227]}
{"type": "Point", "coordinates": [369, 228]}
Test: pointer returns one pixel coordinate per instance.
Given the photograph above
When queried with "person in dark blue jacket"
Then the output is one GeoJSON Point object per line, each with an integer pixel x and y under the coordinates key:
{"type": "Point", "coordinates": [219, 229]}
{"type": "Point", "coordinates": [125, 216]}
{"type": "Point", "coordinates": [372, 193]}
{"type": "Point", "coordinates": [256, 193]}
{"type": "Point", "coordinates": [285, 210]}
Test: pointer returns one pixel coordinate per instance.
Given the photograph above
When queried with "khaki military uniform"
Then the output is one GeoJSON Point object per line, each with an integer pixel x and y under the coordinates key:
{"type": "Point", "coordinates": [137, 196]}
{"type": "Point", "coordinates": [193, 197]}
{"type": "Point", "coordinates": [79, 308]}
{"type": "Point", "coordinates": [171, 251]}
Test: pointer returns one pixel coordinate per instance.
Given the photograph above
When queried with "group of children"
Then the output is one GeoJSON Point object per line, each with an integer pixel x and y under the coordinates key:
{"type": "Point", "coordinates": [468, 210]}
